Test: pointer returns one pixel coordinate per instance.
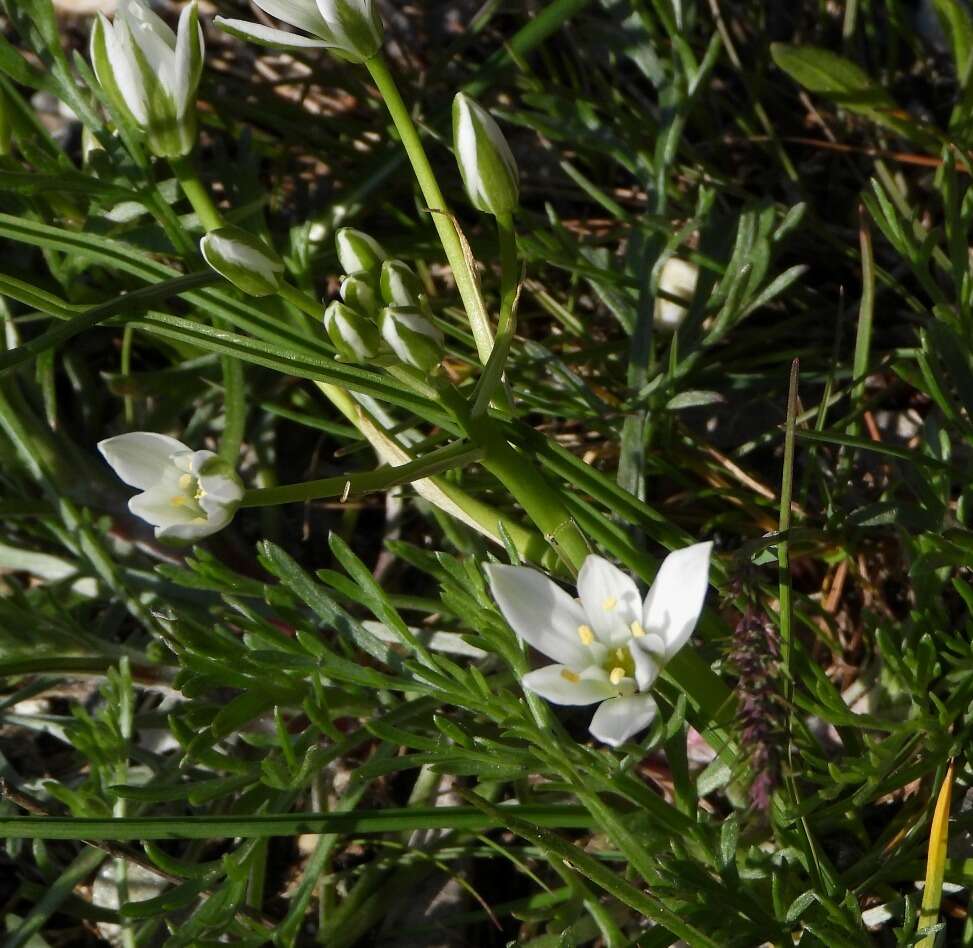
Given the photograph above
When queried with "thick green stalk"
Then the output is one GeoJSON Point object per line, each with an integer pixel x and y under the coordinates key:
{"type": "Point", "coordinates": [541, 502]}
{"type": "Point", "coordinates": [353, 485]}
{"type": "Point", "coordinates": [185, 171]}
{"type": "Point", "coordinates": [456, 253]}
{"type": "Point", "coordinates": [507, 325]}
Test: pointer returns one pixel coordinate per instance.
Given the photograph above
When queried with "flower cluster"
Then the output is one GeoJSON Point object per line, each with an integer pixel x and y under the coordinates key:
{"type": "Point", "coordinates": [609, 645]}
{"type": "Point", "coordinates": [382, 309]}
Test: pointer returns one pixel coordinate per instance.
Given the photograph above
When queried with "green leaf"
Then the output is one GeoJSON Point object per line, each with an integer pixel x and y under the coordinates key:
{"type": "Point", "coordinates": [845, 83]}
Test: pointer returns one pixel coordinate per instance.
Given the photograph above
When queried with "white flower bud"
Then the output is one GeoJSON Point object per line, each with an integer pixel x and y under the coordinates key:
{"type": "Point", "coordinates": [243, 259]}
{"type": "Point", "coordinates": [186, 495]}
{"type": "Point", "coordinates": [414, 340]}
{"type": "Point", "coordinates": [400, 286]}
{"type": "Point", "coordinates": [358, 291]}
{"type": "Point", "coordinates": [354, 336]}
{"type": "Point", "coordinates": [151, 73]}
{"type": "Point", "coordinates": [678, 278]}
{"type": "Point", "coordinates": [484, 157]}
{"type": "Point", "coordinates": [351, 29]}
{"type": "Point", "coordinates": [357, 251]}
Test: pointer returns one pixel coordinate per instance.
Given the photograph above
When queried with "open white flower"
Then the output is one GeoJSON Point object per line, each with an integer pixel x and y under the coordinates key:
{"type": "Point", "coordinates": [186, 495]}
{"type": "Point", "coordinates": [351, 29]}
{"type": "Point", "coordinates": [609, 645]}
{"type": "Point", "coordinates": [151, 72]}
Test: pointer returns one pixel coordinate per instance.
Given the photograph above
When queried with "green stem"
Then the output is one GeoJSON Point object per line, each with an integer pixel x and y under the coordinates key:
{"type": "Point", "coordinates": [351, 485]}
{"type": "Point", "coordinates": [529, 487]}
{"type": "Point", "coordinates": [507, 325]}
{"type": "Point", "coordinates": [303, 301]}
{"type": "Point", "coordinates": [456, 253]}
{"type": "Point", "coordinates": [185, 171]}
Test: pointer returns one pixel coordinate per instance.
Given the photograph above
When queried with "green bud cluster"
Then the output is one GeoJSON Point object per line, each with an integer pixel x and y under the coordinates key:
{"type": "Point", "coordinates": [382, 311]}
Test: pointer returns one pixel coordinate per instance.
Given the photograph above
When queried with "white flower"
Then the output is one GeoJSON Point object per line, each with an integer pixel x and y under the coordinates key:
{"type": "Point", "coordinates": [151, 72]}
{"type": "Point", "coordinates": [485, 161]}
{"type": "Point", "coordinates": [352, 29]}
{"type": "Point", "coordinates": [186, 495]}
{"type": "Point", "coordinates": [608, 644]}
{"type": "Point", "coordinates": [678, 278]}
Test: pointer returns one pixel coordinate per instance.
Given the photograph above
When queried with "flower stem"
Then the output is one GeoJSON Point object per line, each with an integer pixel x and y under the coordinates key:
{"type": "Point", "coordinates": [185, 171]}
{"type": "Point", "coordinates": [507, 325]}
{"type": "Point", "coordinates": [460, 261]}
{"type": "Point", "coordinates": [454, 455]}
{"type": "Point", "coordinates": [529, 487]}
{"type": "Point", "coordinates": [306, 303]}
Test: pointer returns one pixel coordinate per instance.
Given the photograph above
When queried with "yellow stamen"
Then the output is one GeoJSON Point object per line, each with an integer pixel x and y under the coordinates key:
{"type": "Point", "coordinates": [636, 629]}
{"type": "Point", "coordinates": [178, 501]}
{"type": "Point", "coordinates": [609, 603]}
{"type": "Point", "coordinates": [586, 635]}
{"type": "Point", "coordinates": [621, 654]}
{"type": "Point", "coordinates": [185, 481]}
{"type": "Point", "coordinates": [569, 675]}
{"type": "Point", "coordinates": [616, 675]}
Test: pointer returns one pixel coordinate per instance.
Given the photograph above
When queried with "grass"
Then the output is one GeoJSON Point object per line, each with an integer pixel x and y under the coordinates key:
{"type": "Point", "coordinates": [271, 727]}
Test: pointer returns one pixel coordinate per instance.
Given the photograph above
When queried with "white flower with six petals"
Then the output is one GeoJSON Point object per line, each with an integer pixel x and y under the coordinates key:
{"type": "Point", "coordinates": [608, 644]}
{"type": "Point", "coordinates": [186, 495]}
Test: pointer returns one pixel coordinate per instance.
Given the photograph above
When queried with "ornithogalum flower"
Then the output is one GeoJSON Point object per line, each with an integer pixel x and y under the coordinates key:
{"type": "Point", "coordinates": [243, 259]}
{"type": "Point", "coordinates": [151, 73]}
{"type": "Point", "coordinates": [411, 337]}
{"type": "Point", "coordinates": [485, 161]}
{"type": "Point", "coordinates": [354, 336]}
{"type": "Point", "coordinates": [350, 29]}
{"type": "Point", "coordinates": [608, 644]}
{"type": "Point", "coordinates": [186, 495]}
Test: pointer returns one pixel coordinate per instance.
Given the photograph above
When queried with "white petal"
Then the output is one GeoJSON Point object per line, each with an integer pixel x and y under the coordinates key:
{"type": "Point", "coordinates": [560, 685]}
{"type": "Point", "coordinates": [219, 490]}
{"type": "Point", "coordinates": [619, 719]}
{"type": "Point", "coordinates": [188, 65]}
{"type": "Point", "coordinates": [140, 458]}
{"type": "Point", "coordinates": [155, 506]}
{"type": "Point", "coordinates": [195, 529]}
{"type": "Point", "coordinates": [266, 35]}
{"type": "Point", "coordinates": [156, 41]}
{"type": "Point", "coordinates": [303, 14]}
{"type": "Point", "coordinates": [466, 149]}
{"type": "Point", "coordinates": [540, 612]}
{"type": "Point", "coordinates": [610, 598]}
{"type": "Point", "coordinates": [646, 667]}
{"type": "Point", "coordinates": [128, 77]}
{"type": "Point", "coordinates": [675, 600]}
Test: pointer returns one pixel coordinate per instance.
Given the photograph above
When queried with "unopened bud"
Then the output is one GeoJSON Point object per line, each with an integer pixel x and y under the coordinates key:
{"type": "Point", "coordinates": [357, 251]}
{"type": "Point", "coordinates": [400, 285]}
{"type": "Point", "coordinates": [243, 259]}
{"type": "Point", "coordinates": [354, 336]}
{"type": "Point", "coordinates": [484, 157]}
{"type": "Point", "coordinates": [358, 291]}
{"type": "Point", "coordinates": [677, 278]}
{"type": "Point", "coordinates": [414, 340]}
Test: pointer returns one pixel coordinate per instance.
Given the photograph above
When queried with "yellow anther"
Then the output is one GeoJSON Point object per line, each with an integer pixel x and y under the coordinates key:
{"type": "Point", "coordinates": [569, 675]}
{"type": "Point", "coordinates": [178, 501]}
{"type": "Point", "coordinates": [620, 653]}
{"type": "Point", "coordinates": [609, 603]}
{"type": "Point", "coordinates": [636, 629]}
{"type": "Point", "coordinates": [185, 481]}
{"type": "Point", "coordinates": [616, 675]}
{"type": "Point", "coordinates": [586, 634]}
